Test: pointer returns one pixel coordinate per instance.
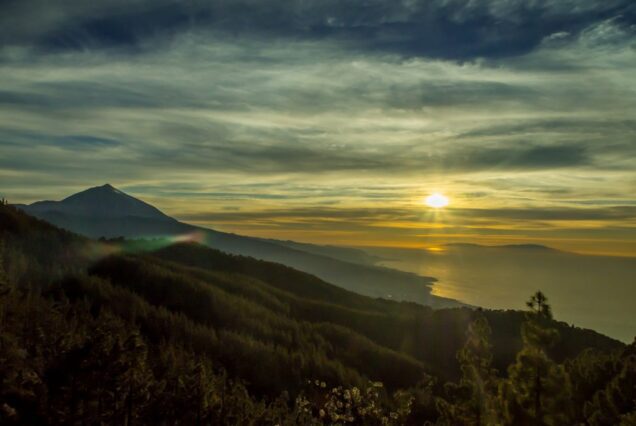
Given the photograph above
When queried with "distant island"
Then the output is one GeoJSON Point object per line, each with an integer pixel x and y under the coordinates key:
{"type": "Point", "coordinates": [503, 246]}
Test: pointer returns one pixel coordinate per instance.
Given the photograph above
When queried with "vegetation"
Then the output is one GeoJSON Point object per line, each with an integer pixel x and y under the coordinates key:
{"type": "Point", "coordinates": [111, 332]}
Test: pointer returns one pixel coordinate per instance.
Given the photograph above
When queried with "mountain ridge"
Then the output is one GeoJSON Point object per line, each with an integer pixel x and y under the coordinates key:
{"type": "Point", "coordinates": [204, 286]}
{"type": "Point", "coordinates": [87, 213]}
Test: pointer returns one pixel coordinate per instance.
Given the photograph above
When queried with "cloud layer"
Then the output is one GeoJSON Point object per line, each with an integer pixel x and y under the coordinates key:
{"type": "Point", "coordinates": [433, 28]}
{"type": "Point", "coordinates": [252, 115]}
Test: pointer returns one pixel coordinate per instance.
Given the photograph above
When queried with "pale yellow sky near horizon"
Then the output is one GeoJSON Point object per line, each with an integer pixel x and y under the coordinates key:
{"type": "Point", "coordinates": [405, 222]}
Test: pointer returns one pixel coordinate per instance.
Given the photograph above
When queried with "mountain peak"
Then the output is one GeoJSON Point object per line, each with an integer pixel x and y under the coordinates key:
{"type": "Point", "coordinates": [107, 187]}
{"type": "Point", "coordinates": [103, 201]}
{"type": "Point", "coordinates": [96, 193]}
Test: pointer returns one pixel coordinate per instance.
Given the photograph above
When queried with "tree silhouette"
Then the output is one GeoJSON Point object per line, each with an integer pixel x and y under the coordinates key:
{"type": "Point", "coordinates": [538, 390]}
{"type": "Point", "coordinates": [617, 402]}
{"type": "Point", "coordinates": [473, 400]}
{"type": "Point", "coordinates": [538, 305]}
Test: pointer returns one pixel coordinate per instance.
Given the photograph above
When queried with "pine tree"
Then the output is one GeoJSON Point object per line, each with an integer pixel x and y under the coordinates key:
{"type": "Point", "coordinates": [199, 391]}
{"type": "Point", "coordinates": [615, 403]}
{"type": "Point", "coordinates": [590, 371]}
{"type": "Point", "coordinates": [136, 378]}
{"type": "Point", "coordinates": [538, 390]}
{"type": "Point", "coordinates": [4, 280]}
{"type": "Point", "coordinates": [5, 290]}
{"type": "Point", "coordinates": [472, 400]}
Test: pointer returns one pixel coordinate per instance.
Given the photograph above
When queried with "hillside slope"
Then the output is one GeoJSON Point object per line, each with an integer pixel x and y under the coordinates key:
{"type": "Point", "coordinates": [105, 211]}
{"type": "Point", "coordinates": [155, 331]}
{"type": "Point", "coordinates": [266, 303]}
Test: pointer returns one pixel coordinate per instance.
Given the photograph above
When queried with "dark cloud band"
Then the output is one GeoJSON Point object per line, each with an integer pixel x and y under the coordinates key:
{"type": "Point", "coordinates": [456, 29]}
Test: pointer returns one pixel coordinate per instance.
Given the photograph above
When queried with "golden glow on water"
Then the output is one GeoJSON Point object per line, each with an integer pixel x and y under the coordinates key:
{"type": "Point", "coordinates": [436, 249]}
{"type": "Point", "coordinates": [500, 278]}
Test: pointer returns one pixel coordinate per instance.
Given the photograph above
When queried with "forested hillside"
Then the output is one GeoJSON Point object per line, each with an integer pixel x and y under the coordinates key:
{"type": "Point", "coordinates": [125, 332]}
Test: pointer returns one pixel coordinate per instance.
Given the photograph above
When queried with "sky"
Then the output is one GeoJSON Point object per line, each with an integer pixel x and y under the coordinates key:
{"type": "Point", "coordinates": [329, 121]}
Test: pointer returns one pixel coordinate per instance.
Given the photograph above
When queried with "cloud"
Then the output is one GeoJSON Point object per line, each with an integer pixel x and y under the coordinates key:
{"type": "Point", "coordinates": [552, 214]}
{"type": "Point", "coordinates": [410, 215]}
{"type": "Point", "coordinates": [455, 29]}
{"type": "Point", "coordinates": [264, 105]}
{"type": "Point", "coordinates": [310, 108]}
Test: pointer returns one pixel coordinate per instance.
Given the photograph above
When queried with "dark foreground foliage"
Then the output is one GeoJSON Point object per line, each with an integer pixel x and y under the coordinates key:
{"type": "Point", "coordinates": [116, 333]}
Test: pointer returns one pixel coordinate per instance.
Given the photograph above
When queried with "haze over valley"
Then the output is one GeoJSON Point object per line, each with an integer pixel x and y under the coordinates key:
{"type": "Point", "coordinates": [595, 292]}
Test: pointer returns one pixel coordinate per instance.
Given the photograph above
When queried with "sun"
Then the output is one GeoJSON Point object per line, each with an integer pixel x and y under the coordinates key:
{"type": "Point", "coordinates": [436, 200]}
